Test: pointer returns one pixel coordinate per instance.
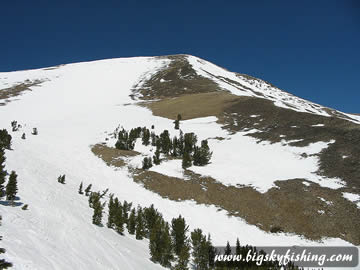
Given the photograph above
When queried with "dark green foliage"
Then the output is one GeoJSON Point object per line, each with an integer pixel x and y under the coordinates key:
{"type": "Point", "coordinates": [140, 226]}
{"type": "Point", "coordinates": [35, 131]}
{"type": "Point", "coordinates": [179, 231]}
{"type": "Point", "coordinates": [126, 141]}
{"type": "Point", "coordinates": [165, 142]}
{"type": "Point", "coordinates": [132, 221]}
{"type": "Point", "coordinates": [14, 126]}
{"type": "Point", "coordinates": [11, 187]}
{"type": "Point", "coordinates": [190, 140]}
{"type": "Point", "coordinates": [202, 155]}
{"type": "Point", "coordinates": [80, 188]}
{"type": "Point", "coordinates": [186, 161]}
{"type": "Point", "coordinates": [176, 151]}
{"type": "Point", "coordinates": [126, 210]}
{"type": "Point", "coordinates": [95, 203]}
{"type": "Point", "coordinates": [200, 249]}
{"type": "Point", "coordinates": [145, 136]}
{"type": "Point", "coordinates": [104, 193]}
{"type": "Point", "coordinates": [2, 171]}
{"type": "Point", "coordinates": [3, 264]}
{"type": "Point", "coordinates": [88, 190]}
{"type": "Point", "coordinates": [150, 216]}
{"type": "Point", "coordinates": [156, 157]}
{"type": "Point", "coordinates": [154, 138]}
{"type": "Point", "coordinates": [5, 139]}
{"type": "Point", "coordinates": [183, 259]}
{"type": "Point", "coordinates": [118, 217]}
{"type": "Point", "coordinates": [111, 212]}
{"type": "Point", "coordinates": [61, 179]}
{"type": "Point", "coordinates": [25, 207]}
{"type": "Point", "coordinates": [238, 247]}
{"type": "Point", "coordinates": [177, 124]}
{"type": "Point", "coordinates": [147, 163]}
{"type": "Point", "coordinates": [160, 243]}
{"type": "Point", "coordinates": [23, 136]}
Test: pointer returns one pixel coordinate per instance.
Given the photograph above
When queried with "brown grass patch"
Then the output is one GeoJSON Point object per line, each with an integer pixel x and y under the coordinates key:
{"type": "Point", "coordinates": [294, 207]}
{"type": "Point", "coordinates": [16, 90]}
{"type": "Point", "coordinates": [112, 156]}
{"type": "Point", "coordinates": [193, 105]}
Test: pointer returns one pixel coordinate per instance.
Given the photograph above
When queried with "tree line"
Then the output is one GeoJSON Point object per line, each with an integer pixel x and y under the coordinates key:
{"type": "Point", "coordinates": [171, 244]}
{"type": "Point", "coordinates": [183, 146]}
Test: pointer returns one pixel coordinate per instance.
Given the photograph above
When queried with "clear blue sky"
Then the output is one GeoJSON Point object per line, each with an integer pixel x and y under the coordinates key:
{"type": "Point", "coordinates": [308, 48]}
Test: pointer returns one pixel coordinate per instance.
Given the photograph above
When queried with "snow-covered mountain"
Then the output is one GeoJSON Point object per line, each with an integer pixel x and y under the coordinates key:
{"type": "Point", "coordinates": [278, 160]}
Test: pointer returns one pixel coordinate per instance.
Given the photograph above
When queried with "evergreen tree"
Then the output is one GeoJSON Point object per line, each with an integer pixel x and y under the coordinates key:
{"type": "Point", "coordinates": [160, 243]}
{"type": "Point", "coordinates": [238, 247]}
{"type": "Point", "coordinates": [2, 171]}
{"type": "Point", "coordinates": [61, 179]}
{"type": "Point", "coordinates": [98, 208]}
{"type": "Point", "coordinates": [190, 140]}
{"type": "Point", "coordinates": [181, 143]}
{"type": "Point", "coordinates": [80, 188]}
{"type": "Point", "coordinates": [140, 228]}
{"type": "Point", "coordinates": [132, 221]}
{"type": "Point", "coordinates": [5, 139]}
{"type": "Point", "coordinates": [200, 247]}
{"type": "Point", "coordinates": [183, 259]}
{"type": "Point", "coordinates": [118, 217]}
{"type": "Point", "coordinates": [111, 212]}
{"type": "Point", "coordinates": [88, 190]}
{"type": "Point", "coordinates": [211, 252]}
{"type": "Point", "coordinates": [177, 124]}
{"type": "Point", "coordinates": [146, 137]}
{"type": "Point", "coordinates": [3, 263]}
{"type": "Point", "coordinates": [165, 142]}
{"type": "Point", "coordinates": [147, 163]}
{"type": "Point", "coordinates": [156, 157]}
{"type": "Point", "coordinates": [151, 215]}
{"type": "Point", "coordinates": [167, 254]}
{"type": "Point", "coordinates": [186, 160]}
{"type": "Point", "coordinates": [23, 136]}
{"type": "Point", "coordinates": [179, 237]}
{"type": "Point", "coordinates": [11, 187]}
{"type": "Point", "coordinates": [126, 210]}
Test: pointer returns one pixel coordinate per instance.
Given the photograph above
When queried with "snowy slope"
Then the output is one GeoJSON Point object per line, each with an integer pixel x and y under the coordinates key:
{"type": "Point", "coordinates": [243, 85]}
{"type": "Point", "coordinates": [75, 107]}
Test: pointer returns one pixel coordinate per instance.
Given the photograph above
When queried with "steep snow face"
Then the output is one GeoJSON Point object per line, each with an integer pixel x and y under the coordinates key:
{"type": "Point", "coordinates": [75, 107]}
{"type": "Point", "coordinates": [242, 85]}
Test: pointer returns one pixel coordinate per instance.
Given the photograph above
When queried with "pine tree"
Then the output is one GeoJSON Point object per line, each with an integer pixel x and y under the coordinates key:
{"type": "Point", "coordinates": [200, 247]}
{"type": "Point", "coordinates": [3, 263]}
{"type": "Point", "coordinates": [140, 228]}
{"type": "Point", "coordinates": [165, 142]}
{"type": "Point", "coordinates": [126, 210]}
{"type": "Point", "coordinates": [155, 245]}
{"type": "Point", "coordinates": [183, 259]}
{"type": "Point", "coordinates": [211, 252]}
{"type": "Point", "coordinates": [238, 247]}
{"type": "Point", "coordinates": [177, 124]}
{"type": "Point", "coordinates": [147, 163]}
{"type": "Point", "coordinates": [111, 212]}
{"type": "Point", "coordinates": [98, 208]}
{"type": "Point", "coordinates": [88, 190]}
{"type": "Point", "coordinates": [23, 136]}
{"type": "Point", "coordinates": [186, 161]}
{"type": "Point", "coordinates": [190, 140]}
{"type": "Point", "coordinates": [2, 171]}
{"type": "Point", "coordinates": [146, 137]}
{"type": "Point", "coordinates": [118, 217]}
{"type": "Point", "coordinates": [61, 179]}
{"type": "Point", "coordinates": [179, 237]}
{"type": "Point", "coordinates": [156, 157]}
{"type": "Point", "coordinates": [5, 139]}
{"type": "Point", "coordinates": [80, 188]}
{"type": "Point", "coordinates": [11, 187]}
{"type": "Point", "coordinates": [132, 221]}
{"type": "Point", "coordinates": [167, 254]}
